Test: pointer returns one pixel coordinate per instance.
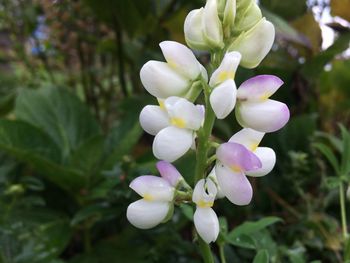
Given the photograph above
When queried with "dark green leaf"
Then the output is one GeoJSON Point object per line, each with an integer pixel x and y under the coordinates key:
{"type": "Point", "coordinates": [327, 152]}
{"type": "Point", "coordinates": [262, 256]}
{"type": "Point", "coordinates": [345, 159]}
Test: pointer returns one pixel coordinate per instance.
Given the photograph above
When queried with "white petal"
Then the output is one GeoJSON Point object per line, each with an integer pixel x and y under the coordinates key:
{"type": "Point", "coordinates": [184, 114]}
{"type": "Point", "coordinates": [223, 98]}
{"type": "Point", "coordinates": [204, 73]}
{"type": "Point", "coordinates": [248, 137]}
{"type": "Point", "coordinates": [255, 43]}
{"type": "Point", "coordinates": [207, 224]}
{"type": "Point", "coordinates": [213, 177]}
{"type": "Point", "coordinates": [212, 25]}
{"type": "Point", "coordinates": [171, 143]}
{"type": "Point", "coordinates": [259, 88]}
{"type": "Point", "coordinates": [153, 119]}
{"type": "Point", "coordinates": [162, 81]}
{"type": "Point", "coordinates": [266, 116]}
{"type": "Point", "coordinates": [181, 58]}
{"type": "Point", "coordinates": [153, 188]}
{"type": "Point", "coordinates": [227, 68]}
{"type": "Point", "coordinates": [146, 214]}
{"type": "Point", "coordinates": [252, 15]}
{"type": "Point", "coordinates": [235, 186]}
{"type": "Point", "coordinates": [267, 157]}
{"type": "Point", "coordinates": [204, 192]}
{"type": "Point", "coordinates": [194, 31]}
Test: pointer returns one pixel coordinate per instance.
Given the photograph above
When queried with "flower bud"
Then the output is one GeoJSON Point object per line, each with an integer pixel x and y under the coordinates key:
{"type": "Point", "coordinates": [229, 17]}
{"type": "Point", "coordinates": [193, 30]}
{"type": "Point", "coordinates": [247, 19]}
{"type": "Point", "coordinates": [255, 43]}
{"type": "Point", "coordinates": [212, 27]}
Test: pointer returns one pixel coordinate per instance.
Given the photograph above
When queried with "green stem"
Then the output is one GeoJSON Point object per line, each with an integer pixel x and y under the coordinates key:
{"type": "Point", "coordinates": [343, 210]}
{"type": "Point", "coordinates": [222, 253]}
{"type": "Point", "coordinates": [206, 252]}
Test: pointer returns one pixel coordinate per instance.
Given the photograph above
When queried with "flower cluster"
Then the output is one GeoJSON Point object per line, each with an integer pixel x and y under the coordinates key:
{"type": "Point", "coordinates": [236, 34]}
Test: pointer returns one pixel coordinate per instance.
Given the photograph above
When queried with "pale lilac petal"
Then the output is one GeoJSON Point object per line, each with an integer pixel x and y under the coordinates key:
{"type": "Point", "coordinates": [169, 172]}
{"type": "Point", "coordinates": [223, 98]}
{"type": "Point", "coordinates": [237, 157]}
{"type": "Point", "coordinates": [259, 88]}
{"type": "Point", "coordinates": [248, 137]}
{"type": "Point", "coordinates": [153, 188]}
{"type": "Point", "coordinates": [235, 186]}
{"type": "Point", "coordinates": [171, 143]}
{"type": "Point", "coordinates": [267, 157]}
{"type": "Point", "coordinates": [204, 193]}
{"type": "Point", "coordinates": [181, 58]}
{"type": "Point", "coordinates": [206, 223]}
{"type": "Point", "coordinates": [153, 119]}
{"type": "Point", "coordinates": [162, 81]}
{"type": "Point", "coordinates": [146, 214]}
{"type": "Point", "coordinates": [266, 116]}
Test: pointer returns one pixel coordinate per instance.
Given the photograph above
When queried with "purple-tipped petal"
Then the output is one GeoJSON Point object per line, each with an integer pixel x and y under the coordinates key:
{"type": "Point", "coordinates": [235, 186]}
{"type": "Point", "coordinates": [169, 172]}
{"type": "Point", "coordinates": [152, 188]}
{"type": "Point", "coordinates": [267, 157]}
{"type": "Point", "coordinates": [266, 116]}
{"type": "Point", "coordinates": [259, 88]}
{"type": "Point", "coordinates": [237, 157]}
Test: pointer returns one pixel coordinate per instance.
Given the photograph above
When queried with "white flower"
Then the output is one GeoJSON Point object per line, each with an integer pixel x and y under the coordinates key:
{"type": "Point", "coordinates": [251, 139]}
{"type": "Point", "coordinates": [203, 29]}
{"type": "Point", "coordinates": [155, 205]}
{"type": "Point", "coordinates": [255, 110]}
{"type": "Point", "coordinates": [255, 43]}
{"type": "Point", "coordinates": [205, 219]}
{"type": "Point", "coordinates": [175, 76]}
{"type": "Point", "coordinates": [174, 124]}
{"type": "Point", "coordinates": [223, 96]}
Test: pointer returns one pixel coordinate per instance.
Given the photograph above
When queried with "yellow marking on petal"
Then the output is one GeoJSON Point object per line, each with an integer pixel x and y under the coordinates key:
{"type": "Point", "coordinates": [253, 146]}
{"type": "Point", "coordinates": [224, 75]}
{"type": "Point", "coordinates": [265, 96]}
{"type": "Point", "coordinates": [148, 197]}
{"type": "Point", "coordinates": [236, 168]}
{"type": "Point", "coordinates": [204, 204]}
{"type": "Point", "coordinates": [161, 104]}
{"type": "Point", "coordinates": [178, 122]}
{"type": "Point", "coordinates": [172, 63]}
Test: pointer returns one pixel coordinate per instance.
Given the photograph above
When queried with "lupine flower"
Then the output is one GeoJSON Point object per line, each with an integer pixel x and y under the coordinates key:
{"type": "Point", "coordinates": [205, 219]}
{"type": "Point", "coordinates": [174, 124]}
{"type": "Point", "coordinates": [251, 140]}
{"type": "Point", "coordinates": [223, 96]}
{"type": "Point", "coordinates": [158, 195]}
{"type": "Point", "coordinates": [175, 76]}
{"type": "Point", "coordinates": [203, 28]}
{"type": "Point", "coordinates": [255, 43]}
{"type": "Point", "coordinates": [250, 15]}
{"type": "Point", "coordinates": [233, 162]}
{"type": "Point", "coordinates": [255, 110]}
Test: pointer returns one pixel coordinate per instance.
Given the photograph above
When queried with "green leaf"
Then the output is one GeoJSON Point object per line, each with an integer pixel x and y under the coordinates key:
{"type": "Point", "coordinates": [31, 145]}
{"type": "Point", "coordinates": [243, 241]}
{"type": "Point", "coordinates": [345, 159]}
{"type": "Point", "coordinates": [334, 141]}
{"type": "Point", "coordinates": [60, 114]}
{"type": "Point", "coordinates": [187, 210]}
{"type": "Point", "coordinates": [262, 257]}
{"type": "Point", "coordinates": [93, 213]}
{"type": "Point", "coordinates": [327, 152]}
{"type": "Point", "coordinates": [248, 228]}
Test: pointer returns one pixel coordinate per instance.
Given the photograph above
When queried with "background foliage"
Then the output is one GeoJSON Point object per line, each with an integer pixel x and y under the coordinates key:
{"type": "Point", "coordinates": [70, 141]}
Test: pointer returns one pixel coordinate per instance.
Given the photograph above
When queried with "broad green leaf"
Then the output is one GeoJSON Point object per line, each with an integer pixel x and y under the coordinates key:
{"type": "Point", "coordinates": [248, 228]}
{"type": "Point", "coordinates": [60, 114]}
{"type": "Point", "coordinates": [262, 256]}
{"type": "Point", "coordinates": [243, 241]}
{"type": "Point", "coordinates": [31, 145]}
{"type": "Point", "coordinates": [93, 213]}
{"type": "Point", "coordinates": [328, 153]}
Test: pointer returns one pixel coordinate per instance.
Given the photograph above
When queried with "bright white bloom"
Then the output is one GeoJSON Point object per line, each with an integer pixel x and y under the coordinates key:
{"type": "Point", "coordinates": [203, 29]}
{"type": "Point", "coordinates": [155, 205]}
{"type": "Point", "coordinates": [223, 96]}
{"type": "Point", "coordinates": [251, 139]}
{"type": "Point", "coordinates": [175, 76]}
{"type": "Point", "coordinates": [173, 123]}
{"type": "Point", "coordinates": [233, 162]}
{"type": "Point", "coordinates": [255, 43]}
{"type": "Point", "coordinates": [157, 196]}
{"type": "Point", "coordinates": [205, 219]}
{"type": "Point", "coordinates": [255, 110]}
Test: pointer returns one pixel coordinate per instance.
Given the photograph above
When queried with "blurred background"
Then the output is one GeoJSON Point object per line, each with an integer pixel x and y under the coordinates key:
{"type": "Point", "coordinates": [70, 141]}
